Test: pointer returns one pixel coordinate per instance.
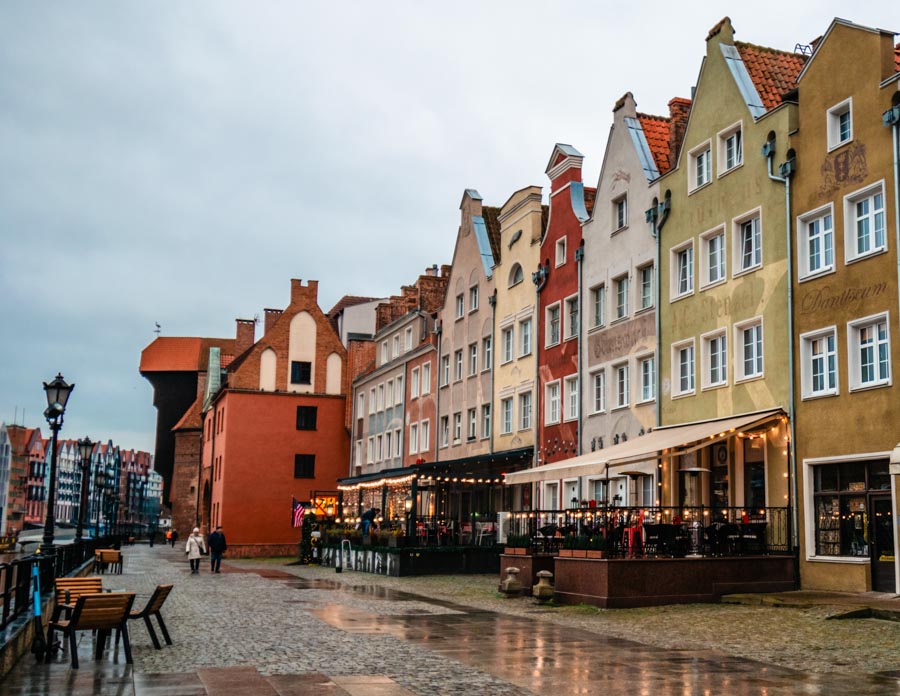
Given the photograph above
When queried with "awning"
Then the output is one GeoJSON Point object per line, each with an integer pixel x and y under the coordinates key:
{"type": "Point", "coordinates": [687, 438]}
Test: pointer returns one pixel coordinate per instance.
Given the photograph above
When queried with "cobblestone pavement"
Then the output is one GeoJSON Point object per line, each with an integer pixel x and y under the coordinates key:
{"type": "Point", "coordinates": [264, 628]}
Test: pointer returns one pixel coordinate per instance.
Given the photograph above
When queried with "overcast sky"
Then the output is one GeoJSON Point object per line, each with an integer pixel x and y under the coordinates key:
{"type": "Point", "coordinates": [180, 162]}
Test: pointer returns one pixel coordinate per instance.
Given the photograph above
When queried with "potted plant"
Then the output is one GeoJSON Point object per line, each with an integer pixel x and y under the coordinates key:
{"type": "Point", "coordinates": [597, 546]}
{"type": "Point", "coordinates": [518, 544]}
{"type": "Point", "coordinates": [568, 546]}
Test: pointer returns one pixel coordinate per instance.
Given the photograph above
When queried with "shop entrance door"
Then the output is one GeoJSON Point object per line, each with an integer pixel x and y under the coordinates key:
{"type": "Point", "coordinates": [882, 521]}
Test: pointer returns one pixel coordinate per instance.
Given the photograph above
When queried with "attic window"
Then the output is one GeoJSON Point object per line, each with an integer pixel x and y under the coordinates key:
{"type": "Point", "coordinates": [840, 124]}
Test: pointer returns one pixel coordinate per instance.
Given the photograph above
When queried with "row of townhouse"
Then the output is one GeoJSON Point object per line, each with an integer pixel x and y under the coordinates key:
{"type": "Point", "coordinates": [710, 326]}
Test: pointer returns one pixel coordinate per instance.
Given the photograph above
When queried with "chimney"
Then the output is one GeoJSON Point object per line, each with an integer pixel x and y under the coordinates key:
{"type": "Point", "coordinates": [245, 335]}
{"type": "Point", "coordinates": [271, 315]}
{"type": "Point", "coordinates": [679, 110]}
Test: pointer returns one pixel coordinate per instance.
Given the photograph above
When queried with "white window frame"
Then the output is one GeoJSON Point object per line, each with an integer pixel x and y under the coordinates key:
{"type": "Point", "coordinates": [381, 405]}
{"type": "Point", "coordinates": [458, 365]}
{"type": "Point", "coordinates": [445, 370]}
{"type": "Point", "coordinates": [850, 222]}
{"type": "Point", "coordinates": [396, 351]}
{"type": "Point", "coordinates": [361, 404]}
{"type": "Point", "coordinates": [853, 351]}
{"type": "Point", "coordinates": [506, 415]}
{"type": "Point", "coordinates": [370, 450]}
{"type": "Point", "coordinates": [571, 398]}
{"type": "Point", "coordinates": [646, 276]}
{"type": "Point", "coordinates": [622, 285]}
{"type": "Point", "coordinates": [740, 373]}
{"type": "Point", "coordinates": [621, 377]}
{"type": "Point", "coordinates": [526, 337]}
{"type": "Point", "coordinates": [387, 443]}
{"type": "Point", "coordinates": [553, 397]}
{"type": "Point", "coordinates": [736, 129]}
{"type": "Point", "coordinates": [398, 443]}
{"type": "Point", "coordinates": [648, 387]}
{"type": "Point", "coordinates": [548, 333]}
{"type": "Point", "coordinates": [385, 356]}
{"type": "Point", "coordinates": [409, 338]}
{"type": "Point", "coordinates": [507, 344]}
{"type": "Point", "coordinates": [598, 391]}
{"type": "Point", "coordinates": [473, 298]}
{"type": "Point", "coordinates": [685, 251]}
{"type": "Point", "coordinates": [807, 389]}
{"type": "Point", "coordinates": [696, 183]}
{"type": "Point", "coordinates": [516, 275]}
{"type": "Point", "coordinates": [414, 383]}
{"type": "Point", "coordinates": [457, 427]}
{"type": "Point", "coordinates": [691, 387]}
{"type": "Point", "coordinates": [706, 358]}
{"type": "Point", "coordinates": [487, 344]}
{"type": "Point", "coordinates": [571, 322]}
{"type": "Point", "coordinates": [472, 424]}
{"type": "Point", "coordinates": [372, 402]}
{"type": "Point", "coordinates": [526, 403]}
{"type": "Point", "coordinates": [833, 124]}
{"type": "Point", "coordinates": [620, 212]}
{"type": "Point", "coordinates": [398, 390]}
{"type": "Point", "coordinates": [426, 378]}
{"type": "Point", "coordinates": [485, 421]}
{"type": "Point", "coordinates": [737, 247]}
{"type": "Point", "coordinates": [445, 431]}
{"type": "Point", "coordinates": [598, 305]}
{"type": "Point", "coordinates": [706, 239]}
{"type": "Point", "coordinates": [824, 236]}
{"type": "Point", "coordinates": [560, 250]}
{"type": "Point", "coordinates": [473, 359]}
{"type": "Point", "coordinates": [424, 434]}
{"type": "Point", "coordinates": [414, 438]}
{"type": "Point", "coordinates": [460, 306]}
{"type": "Point", "coordinates": [389, 391]}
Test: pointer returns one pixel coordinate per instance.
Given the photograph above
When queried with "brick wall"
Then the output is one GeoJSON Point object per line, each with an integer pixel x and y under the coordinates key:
{"type": "Point", "coordinates": [183, 491]}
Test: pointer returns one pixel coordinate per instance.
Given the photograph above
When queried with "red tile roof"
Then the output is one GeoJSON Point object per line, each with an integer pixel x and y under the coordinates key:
{"type": "Point", "coordinates": [183, 354]}
{"type": "Point", "coordinates": [191, 419]}
{"type": "Point", "coordinates": [774, 72]}
{"type": "Point", "coordinates": [657, 131]}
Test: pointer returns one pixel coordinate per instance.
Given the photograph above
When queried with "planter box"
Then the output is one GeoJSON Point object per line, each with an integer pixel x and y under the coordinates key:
{"type": "Point", "coordinates": [593, 553]}
{"type": "Point", "coordinates": [566, 553]}
{"type": "Point", "coordinates": [514, 551]}
{"type": "Point", "coordinates": [579, 553]}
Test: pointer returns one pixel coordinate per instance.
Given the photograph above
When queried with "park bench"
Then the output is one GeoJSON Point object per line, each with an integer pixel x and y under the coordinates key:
{"type": "Point", "coordinates": [108, 558]}
{"type": "Point", "coordinates": [68, 590]}
{"type": "Point", "coordinates": [95, 612]}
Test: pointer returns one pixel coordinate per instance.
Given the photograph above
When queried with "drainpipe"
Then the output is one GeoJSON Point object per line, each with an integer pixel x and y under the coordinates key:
{"type": "Point", "coordinates": [657, 216]}
{"type": "Point", "coordinates": [439, 364]}
{"type": "Point", "coordinates": [539, 277]}
{"type": "Point", "coordinates": [492, 301]}
{"type": "Point", "coordinates": [787, 170]}
{"type": "Point", "coordinates": [579, 259]}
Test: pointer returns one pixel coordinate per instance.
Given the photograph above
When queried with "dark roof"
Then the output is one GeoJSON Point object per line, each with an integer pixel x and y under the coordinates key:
{"type": "Point", "coordinates": [491, 217]}
{"type": "Point", "coordinates": [349, 301]}
{"type": "Point", "coordinates": [774, 72]}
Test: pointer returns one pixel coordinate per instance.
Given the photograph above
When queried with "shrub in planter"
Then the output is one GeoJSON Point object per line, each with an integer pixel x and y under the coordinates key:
{"type": "Point", "coordinates": [518, 543]}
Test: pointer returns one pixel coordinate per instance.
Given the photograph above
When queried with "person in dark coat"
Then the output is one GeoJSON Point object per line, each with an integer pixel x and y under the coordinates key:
{"type": "Point", "coordinates": [217, 547]}
{"type": "Point", "coordinates": [369, 519]}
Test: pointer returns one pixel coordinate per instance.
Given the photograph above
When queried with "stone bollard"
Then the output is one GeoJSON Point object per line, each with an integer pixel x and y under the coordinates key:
{"type": "Point", "coordinates": [543, 591]}
{"type": "Point", "coordinates": [510, 585]}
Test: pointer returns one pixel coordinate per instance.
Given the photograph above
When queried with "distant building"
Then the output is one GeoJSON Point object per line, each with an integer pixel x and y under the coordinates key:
{"type": "Point", "coordinates": [5, 463]}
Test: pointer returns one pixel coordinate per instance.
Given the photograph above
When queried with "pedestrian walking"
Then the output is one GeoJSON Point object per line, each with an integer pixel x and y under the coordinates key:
{"type": "Point", "coordinates": [174, 537]}
{"type": "Point", "coordinates": [195, 548]}
{"type": "Point", "coordinates": [169, 538]}
{"type": "Point", "coordinates": [152, 536]}
{"type": "Point", "coordinates": [217, 547]}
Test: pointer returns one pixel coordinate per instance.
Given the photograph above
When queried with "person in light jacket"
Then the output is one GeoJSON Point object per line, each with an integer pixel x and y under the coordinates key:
{"type": "Point", "coordinates": [195, 548]}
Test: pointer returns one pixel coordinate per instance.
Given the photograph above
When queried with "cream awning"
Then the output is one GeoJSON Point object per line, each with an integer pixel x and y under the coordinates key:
{"type": "Point", "coordinates": [690, 436]}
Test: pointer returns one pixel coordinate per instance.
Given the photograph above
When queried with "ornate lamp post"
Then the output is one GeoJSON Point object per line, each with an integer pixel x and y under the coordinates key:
{"type": "Point", "coordinates": [85, 450]}
{"type": "Point", "coordinates": [58, 392]}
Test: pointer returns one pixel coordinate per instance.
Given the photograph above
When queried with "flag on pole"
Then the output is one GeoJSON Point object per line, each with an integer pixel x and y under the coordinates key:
{"type": "Point", "coordinates": [298, 512]}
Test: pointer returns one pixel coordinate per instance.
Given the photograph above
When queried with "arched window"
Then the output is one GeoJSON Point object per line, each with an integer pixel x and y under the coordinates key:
{"type": "Point", "coordinates": [516, 275]}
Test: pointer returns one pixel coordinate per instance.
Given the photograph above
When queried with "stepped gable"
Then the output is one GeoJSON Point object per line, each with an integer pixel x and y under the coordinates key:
{"type": "Point", "coordinates": [774, 73]}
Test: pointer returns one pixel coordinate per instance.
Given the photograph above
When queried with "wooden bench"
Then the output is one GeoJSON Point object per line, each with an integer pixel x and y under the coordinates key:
{"type": "Point", "coordinates": [96, 612]}
{"type": "Point", "coordinates": [108, 558]}
{"type": "Point", "coordinates": [68, 590]}
{"type": "Point", "coordinates": [154, 604]}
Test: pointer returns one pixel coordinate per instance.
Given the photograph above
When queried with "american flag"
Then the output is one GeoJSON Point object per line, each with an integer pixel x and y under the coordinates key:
{"type": "Point", "coordinates": [298, 512]}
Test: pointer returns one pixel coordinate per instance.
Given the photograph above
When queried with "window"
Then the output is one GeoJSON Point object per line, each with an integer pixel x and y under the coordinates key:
{"type": "Point", "coordinates": [414, 383]}
{"type": "Point", "coordinates": [647, 367]}
{"type": "Point", "coordinates": [715, 355]}
{"type": "Point", "coordinates": [385, 356]}
{"type": "Point", "coordinates": [560, 251]}
{"type": "Point", "coordinates": [683, 359]}
{"type": "Point", "coordinates": [700, 166]}
{"type": "Point", "coordinates": [620, 213]}
{"type": "Point", "coordinates": [749, 343]}
{"type": "Point", "coordinates": [713, 257]}
{"type": "Point", "coordinates": [413, 438]}
{"type": "Point", "coordinates": [398, 448]}
{"type": "Point", "coordinates": [396, 346]}
{"type": "Point", "coordinates": [473, 359]}
{"type": "Point", "coordinates": [645, 274]}
{"type": "Point", "coordinates": [387, 444]}
{"type": "Point", "coordinates": [621, 285]}
{"type": "Point", "coordinates": [473, 423]}
{"type": "Point", "coordinates": [372, 404]}
{"type": "Point", "coordinates": [357, 455]}
{"type": "Point", "coordinates": [460, 306]}
{"type": "Point", "coordinates": [552, 325]}
{"type": "Point", "coordinates": [598, 302]}
{"type": "Point", "coordinates": [815, 242]}
{"type": "Point", "coordinates": [683, 270]}
{"type": "Point", "coordinates": [571, 398]}
{"type": "Point", "coordinates": [840, 124]}
{"type": "Point", "coordinates": [306, 417]}
{"type": "Point", "coordinates": [473, 298]}
{"type": "Point", "coordinates": [525, 411]}
{"type": "Point", "coordinates": [552, 415]}
{"type": "Point", "coordinates": [445, 430]}
{"type": "Point", "coordinates": [379, 443]}
{"type": "Point", "coordinates": [389, 392]}
{"type": "Point", "coordinates": [445, 370]}
{"type": "Point", "coordinates": [425, 434]}
{"type": "Point", "coordinates": [457, 427]}
{"type": "Point", "coordinates": [864, 222]}
{"type": "Point", "coordinates": [841, 502]}
{"type": "Point", "coordinates": [486, 421]}
{"type": "Point", "coordinates": [506, 415]}
{"type": "Point", "coordinates": [486, 346]}
{"type": "Point", "coordinates": [731, 150]}
{"type": "Point", "coordinates": [572, 317]}
{"type": "Point", "coordinates": [398, 392]}
{"type": "Point", "coordinates": [360, 404]}
{"type": "Point", "coordinates": [370, 450]}
{"type": "Point", "coordinates": [516, 275]}
{"type": "Point", "coordinates": [600, 391]}
{"type": "Point", "coordinates": [409, 338]}
{"type": "Point", "coordinates": [748, 244]}
{"type": "Point", "coordinates": [458, 358]}
{"type": "Point", "coordinates": [870, 351]}
{"type": "Point", "coordinates": [301, 372]}
{"type": "Point", "coordinates": [304, 466]}
{"type": "Point", "coordinates": [818, 368]}
{"type": "Point", "coordinates": [426, 378]}
{"type": "Point", "coordinates": [507, 342]}
{"type": "Point", "coordinates": [621, 373]}
{"type": "Point", "coordinates": [381, 404]}
{"type": "Point", "coordinates": [525, 337]}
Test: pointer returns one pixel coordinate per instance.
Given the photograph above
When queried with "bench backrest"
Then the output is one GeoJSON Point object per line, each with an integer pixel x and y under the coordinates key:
{"type": "Point", "coordinates": [158, 599]}
{"type": "Point", "coordinates": [100, 611]}
{"type": "Point", "coordinates": [70, 589]}
{"type": "Point", "coordinates": [109, 555]}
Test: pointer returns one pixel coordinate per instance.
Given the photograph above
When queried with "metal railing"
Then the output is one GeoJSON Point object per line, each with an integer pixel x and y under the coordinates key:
{"type": "Point", "coordinates": [670, 531]}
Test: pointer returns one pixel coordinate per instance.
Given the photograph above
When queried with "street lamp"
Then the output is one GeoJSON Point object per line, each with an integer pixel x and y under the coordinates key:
{"type": "Point", "coordinates": [85, 450]}
{"type": "Point", "coordinates": [58, 392]}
